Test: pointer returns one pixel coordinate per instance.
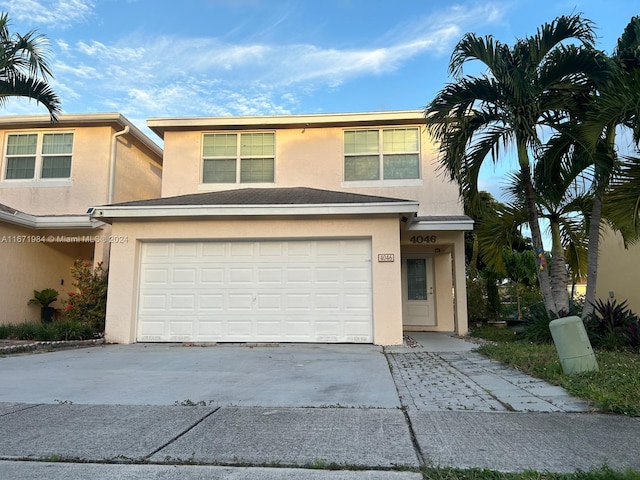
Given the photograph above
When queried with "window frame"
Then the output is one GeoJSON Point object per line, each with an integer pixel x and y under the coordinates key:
{"type": "Point", "coordinates": [381, 153]}
{"type": "Point", "coordinates": [38, 176]}
{"type": "Point", "coordinates": [238, 158]}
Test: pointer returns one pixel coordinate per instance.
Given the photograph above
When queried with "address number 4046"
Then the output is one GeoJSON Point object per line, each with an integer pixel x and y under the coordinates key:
{"type": "Point", "coordinates": [423, 239]}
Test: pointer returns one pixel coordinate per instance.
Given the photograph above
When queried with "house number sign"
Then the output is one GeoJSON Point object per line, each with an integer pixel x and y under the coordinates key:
{"type": "Point", "coordinates": [385, 257]}
{"type": "Point", "coordinates": [423, 239]}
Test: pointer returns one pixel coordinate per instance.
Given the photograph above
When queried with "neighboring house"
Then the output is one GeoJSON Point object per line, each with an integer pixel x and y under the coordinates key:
{"type": "Point", "coordinates": [618, 273]}
{"type": "Point", "coordinates": [51, 173]}
{"type": "Point", "coordinates": [294, 228]}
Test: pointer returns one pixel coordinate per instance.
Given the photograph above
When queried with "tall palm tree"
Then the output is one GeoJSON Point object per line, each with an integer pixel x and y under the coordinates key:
{"type": "Point", "coordinates": [528, 85]}
{"type": "Point", "coordinates": [587, 149]}
{"type": "Point", "coordinates": [24, 68]}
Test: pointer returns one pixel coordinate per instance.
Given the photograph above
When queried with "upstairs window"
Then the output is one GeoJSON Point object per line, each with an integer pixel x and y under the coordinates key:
{"type": "Point", "coordinates": [387, 154]}
{"type": "Point", "coordinates": [33, 156]}
{"type": "Point", "coordinates": [238, 158]}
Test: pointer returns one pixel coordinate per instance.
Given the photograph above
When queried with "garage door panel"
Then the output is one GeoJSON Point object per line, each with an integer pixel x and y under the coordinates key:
{"type": "Point", "coordinates": [298, 291]}
{"type": "Point", "coordinates": [212, 276]}
{"type": "Point", "coordinates": [239, 301]}
{"type": "Point", "coordinates": [184, 276]}
{"type": "Point", "coordinates": [186, 250]}
{"type": "Point", "coordinates": [182, 303]}
{"type": "Point", "coordinates": [211, 302]}
{"type": "Point", "coordinates": [241, 275]}
{"type": "Point", "coordinates": [153, 302]}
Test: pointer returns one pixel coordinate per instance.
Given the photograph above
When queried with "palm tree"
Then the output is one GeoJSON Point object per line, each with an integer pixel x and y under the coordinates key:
{"type": "Point", "coordinates": [24, 68]}
{"type": "Point", "coordinates": [587, 149]}
{"type": "Point", "coordinates": [529, 85]}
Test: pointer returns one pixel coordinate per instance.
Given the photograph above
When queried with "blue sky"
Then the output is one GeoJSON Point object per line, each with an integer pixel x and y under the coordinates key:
{"type": "Point", "coordinates": [161, 58]}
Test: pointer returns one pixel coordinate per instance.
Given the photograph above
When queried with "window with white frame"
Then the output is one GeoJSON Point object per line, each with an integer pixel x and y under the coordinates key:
{"type": "Point", "coordinates": [238, 158]}
{"type": "Point", "coordinates": [382, 154]}
{"type": "Point", "coordinates": [36, 156]}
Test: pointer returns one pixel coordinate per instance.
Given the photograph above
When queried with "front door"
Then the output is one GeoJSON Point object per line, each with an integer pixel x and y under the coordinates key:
{"type": "Point", "coordinates": [417, 291]}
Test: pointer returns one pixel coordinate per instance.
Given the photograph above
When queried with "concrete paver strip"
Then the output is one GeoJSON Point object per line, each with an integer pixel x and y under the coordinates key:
{"type": "Point", "coordinates": [557, 442]}
{"type": "Point", "coordinates": [66, 471]}
{"type": "Point", "coordinates": [297, 436]}
{"type": "Point", "coordinates": [468, 381]}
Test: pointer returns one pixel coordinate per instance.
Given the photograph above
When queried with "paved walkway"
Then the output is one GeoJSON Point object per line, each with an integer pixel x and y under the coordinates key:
{"type": "Point", "coordinates": [458, 409]}
{"type": "Point", "coordinates": [468, 381]}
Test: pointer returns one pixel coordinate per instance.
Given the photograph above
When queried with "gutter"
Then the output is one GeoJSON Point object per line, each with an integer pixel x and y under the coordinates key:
{"type": "Point", "coordinates": [112, 161]}
{"type": "Point", "coordinates": [51, 222]}
{"type": "Point", "coordinates": [164, 211]}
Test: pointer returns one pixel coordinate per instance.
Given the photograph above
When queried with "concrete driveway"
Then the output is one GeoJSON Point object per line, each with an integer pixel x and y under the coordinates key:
{"type": "Point", "coordinates": [92, 409]}
{"type": "Point", "coordinates": [286, 375]}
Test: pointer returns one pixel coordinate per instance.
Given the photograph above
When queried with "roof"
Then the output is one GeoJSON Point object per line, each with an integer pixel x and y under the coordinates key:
{"type": "Point", "coordinates": [363, 119]}
{"type": "Point", "coordinates": [266, 196]}
{"type": "Point", "coordinates": [114, 120]}
{"type": "Point", "coordinates": [257, 201]}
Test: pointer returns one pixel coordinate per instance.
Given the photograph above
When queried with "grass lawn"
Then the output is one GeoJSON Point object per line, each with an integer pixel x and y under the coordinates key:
{"type": "Point", "coordinates": [477, 474]}
{"type": "Point", "coordinates": [615, 388]}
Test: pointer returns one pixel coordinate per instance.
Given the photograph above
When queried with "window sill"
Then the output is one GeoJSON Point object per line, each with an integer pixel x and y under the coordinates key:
{"type": "Point", "coordinates": [414, 182]}
{"type": "Point", "coordinates": [214, 187]}
{"type": "Point", "coordinates": [61, 182]}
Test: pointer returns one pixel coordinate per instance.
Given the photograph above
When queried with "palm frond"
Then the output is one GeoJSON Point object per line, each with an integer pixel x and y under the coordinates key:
{"type": "Point", "coordinates": [38, 90]}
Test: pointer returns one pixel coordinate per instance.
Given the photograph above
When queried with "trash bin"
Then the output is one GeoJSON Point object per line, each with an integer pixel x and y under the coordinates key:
{"type": "Point", "coordinates": [573, 345]}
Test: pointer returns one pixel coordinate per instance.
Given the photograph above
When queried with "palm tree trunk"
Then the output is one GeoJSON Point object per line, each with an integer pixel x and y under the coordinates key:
{"type": "Point", "coordinates": [592, 255]}
{"type": "Point", "coordinates": [534, 226]}
{"type": "Point", "coordinates": [558, 270]}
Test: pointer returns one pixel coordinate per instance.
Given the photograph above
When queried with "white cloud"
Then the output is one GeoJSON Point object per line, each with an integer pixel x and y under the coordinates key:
{"type": "Point", "coordinates": [172, 75]}
{"type": "Point", "coordinates": [58, 13]}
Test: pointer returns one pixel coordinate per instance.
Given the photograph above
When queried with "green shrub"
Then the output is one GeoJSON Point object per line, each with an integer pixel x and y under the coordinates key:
{"type": "Point", "coordinates": [88, 304]}
{"type": "Point", "coordinates": [28, 331]}
{"type": "Point", "coordinates": [537, 324]}
{"type": "Point", "coordinates": [49, 332]}
{"type": "Point", "coordinates": [613, 326]}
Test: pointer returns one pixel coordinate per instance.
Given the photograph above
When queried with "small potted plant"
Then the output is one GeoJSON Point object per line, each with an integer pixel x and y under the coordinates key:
{"type": "Point", "coordinates": [44, 298]}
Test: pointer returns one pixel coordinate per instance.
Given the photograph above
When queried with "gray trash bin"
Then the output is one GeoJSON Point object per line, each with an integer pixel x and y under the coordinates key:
{"type": "Point", "coordinates": [573, 345]}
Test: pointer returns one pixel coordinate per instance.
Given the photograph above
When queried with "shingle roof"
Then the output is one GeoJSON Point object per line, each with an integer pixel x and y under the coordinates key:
{"type": "Point", "coordinates": [266, 196]}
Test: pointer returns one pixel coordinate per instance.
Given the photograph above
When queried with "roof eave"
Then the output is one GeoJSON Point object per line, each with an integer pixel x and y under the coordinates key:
{"type": "Point", "coordinates": [37, 222]}
{"type": "Point", "coordinates": [164, 211]}
{"type": "Point", "coordinates": [442, 225]}
{"type": "Point", "coordinates": [116, 120]}
{"type": "Point", "coordinates": [392, 117]}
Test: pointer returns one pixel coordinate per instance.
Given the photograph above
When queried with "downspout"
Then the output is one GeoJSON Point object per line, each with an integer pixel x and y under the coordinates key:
{"type": "Point", "coordinates": [112, 162]}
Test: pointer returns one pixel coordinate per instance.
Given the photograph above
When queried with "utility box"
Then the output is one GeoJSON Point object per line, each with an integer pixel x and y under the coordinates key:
{"type": "Point", "coordinates": [573, 345]}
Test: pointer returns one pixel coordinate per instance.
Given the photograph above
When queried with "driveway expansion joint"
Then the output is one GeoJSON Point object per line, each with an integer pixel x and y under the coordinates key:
{"type": "Point", "coordinates": [184, 432]}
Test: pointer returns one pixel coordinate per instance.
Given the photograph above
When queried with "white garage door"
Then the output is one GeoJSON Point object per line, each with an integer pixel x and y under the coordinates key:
{"type": "Point", "coordinates": [256, 291]}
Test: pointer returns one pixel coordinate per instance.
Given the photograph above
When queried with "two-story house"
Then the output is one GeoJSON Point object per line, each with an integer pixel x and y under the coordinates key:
{"type": "Point", "coordinates": [50, 174]}
{"type": "Point", "coordinates": [294, 228]}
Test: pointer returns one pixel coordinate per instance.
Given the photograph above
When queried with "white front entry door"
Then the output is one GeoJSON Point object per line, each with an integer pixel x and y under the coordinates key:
{"type": "Point", "coordinates": [418, 302]}
{"type": "Point", "coordinates": [256, 291]}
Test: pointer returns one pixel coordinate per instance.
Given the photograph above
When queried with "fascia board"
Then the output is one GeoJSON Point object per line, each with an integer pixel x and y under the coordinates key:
{"type": "Point", "coordinates": [250, 210]}
{"type": "Point", "coordinates": [451, 226]}
{"type": "Point", "coordinates": [50, 222]}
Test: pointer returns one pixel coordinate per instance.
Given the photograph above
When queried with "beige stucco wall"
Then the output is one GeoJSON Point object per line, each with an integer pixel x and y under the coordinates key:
{"type": "Point", "coordinates": [383, 231]}
{"type": "Point", "coordinates": [40, 265]}
{"type": "Point", "coordinates": [27, 263]}
{"type": "Point", "coordinates": [618, 271]}
{"type": "Point", "coordinates": [138, 175]}
{"type": "Point", "coordinates": [311, 157]}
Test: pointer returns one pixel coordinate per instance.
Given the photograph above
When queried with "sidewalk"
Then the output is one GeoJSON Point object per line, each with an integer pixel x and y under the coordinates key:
{"type": "Point", "coordinates": [458, 409]}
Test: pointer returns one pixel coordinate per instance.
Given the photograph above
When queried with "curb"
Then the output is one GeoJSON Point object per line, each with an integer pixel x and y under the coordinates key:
{"type": "Point", "coordinates": [36, 346]}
